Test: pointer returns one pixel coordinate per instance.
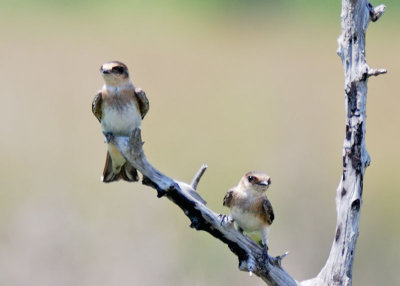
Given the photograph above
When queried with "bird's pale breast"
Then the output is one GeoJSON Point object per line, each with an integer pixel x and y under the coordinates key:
{"type": "Point", "coordinates": [121, 120]}
{"type": "Point", "coordinates": [246, 220]}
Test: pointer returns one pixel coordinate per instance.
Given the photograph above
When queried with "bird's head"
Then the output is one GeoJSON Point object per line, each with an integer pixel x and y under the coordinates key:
{"type": "Point", "coordinates": [115, 73]}
{"type": "Point", "coordinates": [256, 181]}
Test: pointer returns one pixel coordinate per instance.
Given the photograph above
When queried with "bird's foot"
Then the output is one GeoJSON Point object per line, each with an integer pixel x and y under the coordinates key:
{"type": "Point", "coordinates": [108, 136]}
{"type": "Point", "coordinates": [226, 220]}
{"type": "Point", "coordinates": [265, 252]}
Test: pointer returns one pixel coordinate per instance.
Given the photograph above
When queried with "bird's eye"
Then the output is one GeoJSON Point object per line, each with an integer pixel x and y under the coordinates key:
{"type": "Point", "coordinates": [250, 178]}
{"type": "Point", "coordinates": [118, 69]}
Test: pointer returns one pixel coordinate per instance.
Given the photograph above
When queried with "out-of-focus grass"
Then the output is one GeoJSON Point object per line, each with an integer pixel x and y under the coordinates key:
{"type": "Point", "coordinates": [236, 87]}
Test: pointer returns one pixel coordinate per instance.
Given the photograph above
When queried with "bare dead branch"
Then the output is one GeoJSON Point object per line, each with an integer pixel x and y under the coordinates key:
{"type": "Point", "coordinates": [198, 176]}
{"type": "Point", "coordinates": [355, 16]}
{"type": "Point", "coordinates": [376, 72]}
{"type": "Point", "coordinates": [251, 257]}
{"type": "Point", "coordinates": [376, 12]}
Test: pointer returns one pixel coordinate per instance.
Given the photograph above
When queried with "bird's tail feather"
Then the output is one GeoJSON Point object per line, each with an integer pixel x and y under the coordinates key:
{"type": "Point", "coordinates": [127, 172]}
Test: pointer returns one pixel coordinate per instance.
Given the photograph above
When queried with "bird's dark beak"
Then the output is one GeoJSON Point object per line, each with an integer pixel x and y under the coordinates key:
{"type": "Point", "coordinates": [265, 182]}
{"type": "Point", "coordinates": [104, 71]}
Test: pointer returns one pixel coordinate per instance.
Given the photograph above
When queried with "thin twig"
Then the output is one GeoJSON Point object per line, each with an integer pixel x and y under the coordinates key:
{"type": "Point", "coordinates": [197, 177]}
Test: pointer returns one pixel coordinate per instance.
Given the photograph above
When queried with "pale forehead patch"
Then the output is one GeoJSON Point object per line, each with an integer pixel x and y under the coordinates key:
{"type": "Point", "coordinates": [109, 66]}
{"type": "Point", "coordinates": [257, 174]}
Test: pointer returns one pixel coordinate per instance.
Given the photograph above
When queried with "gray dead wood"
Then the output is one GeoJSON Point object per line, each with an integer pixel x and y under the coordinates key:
{"type": "Point", "coordinates": [249, 253]}
{"type": "Point", "coordinates": [355, 17]}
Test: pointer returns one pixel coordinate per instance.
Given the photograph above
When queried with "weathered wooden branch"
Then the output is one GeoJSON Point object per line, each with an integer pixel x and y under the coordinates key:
{"type": "Point", "coordinates": [197, 177]}
{"type": "Point", "coordinates": [251, 256]}
{"type": "Point", "coordinates": [355, 17]}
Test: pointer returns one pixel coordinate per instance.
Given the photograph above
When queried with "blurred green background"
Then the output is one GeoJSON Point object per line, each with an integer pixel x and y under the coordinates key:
{"type": "Point", "coordinates": [239, 85]}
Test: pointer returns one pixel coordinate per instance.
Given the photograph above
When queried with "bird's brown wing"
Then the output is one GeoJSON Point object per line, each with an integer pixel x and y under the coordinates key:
{"type": "Point", "coordinates": [228, 198]}
{"type": "Point", "coordinates": [268, 211]}
{"type": "Point", "coordinates": [142, 101]}
{"type": "Point", "coordinates": [96, 106]}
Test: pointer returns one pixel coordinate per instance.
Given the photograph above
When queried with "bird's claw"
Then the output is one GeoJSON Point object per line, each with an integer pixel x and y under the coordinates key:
{"type": "Point", "coordinates": [225, 220]}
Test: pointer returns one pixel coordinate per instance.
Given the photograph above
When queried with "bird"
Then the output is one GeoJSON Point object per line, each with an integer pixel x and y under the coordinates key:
{"type": "Point", "coordinates": [250, 209]}
{"type": "Point", "coordinates": [119, 107]}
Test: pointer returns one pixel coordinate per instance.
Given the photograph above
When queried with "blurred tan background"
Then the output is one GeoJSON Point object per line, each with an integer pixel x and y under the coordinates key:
{"type": "Point", "coordinates": [239, 85]}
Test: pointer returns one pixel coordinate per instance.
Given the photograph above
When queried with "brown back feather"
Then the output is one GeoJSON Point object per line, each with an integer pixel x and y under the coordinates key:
{"type": "Point", "coordinates": [96, 106]}
{"type": "Point", "coordinates": [228, 198]}
{"type": "Point", "coordinates": [142, 101]}
{"type": "Point", "coordinates": [268, 211]}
